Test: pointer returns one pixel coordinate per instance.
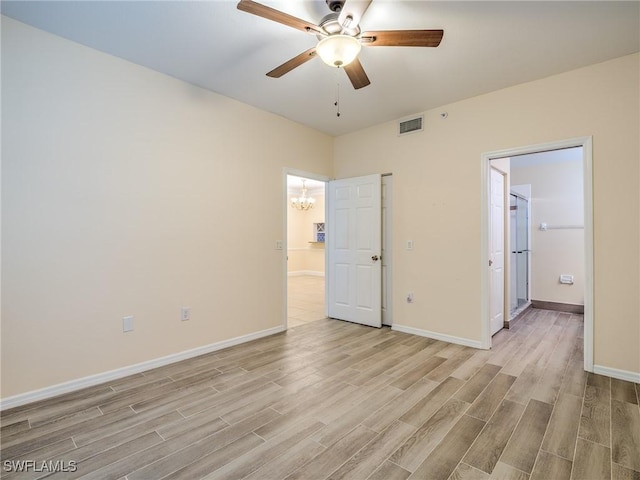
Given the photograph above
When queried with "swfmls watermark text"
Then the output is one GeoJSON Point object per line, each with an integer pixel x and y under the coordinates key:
{"type": "Point", "coordinates": [48, 466]}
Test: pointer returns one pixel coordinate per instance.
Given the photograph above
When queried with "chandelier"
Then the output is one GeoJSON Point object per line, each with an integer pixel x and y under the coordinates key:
{"type": "Point", "coordinates": [303, 202]}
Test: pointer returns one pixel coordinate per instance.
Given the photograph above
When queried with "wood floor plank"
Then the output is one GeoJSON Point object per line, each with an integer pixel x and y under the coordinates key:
{"type": "Point", "coordinates": [562, 432]}
{"type": "Point", "coordinates": [491, 398]}
{"type": "Point", "coordinates": [411, 377]}
{"type": "Point", "coordinates": [467, 472]}
{"type": "Point", "coordinates": [507, 472]}
{"type": "Point", "coordinates": [183, 425]}
{"type": "Point", "coordinates": [523, 388]}
{"type": "Point", "coordinates": [65, 424]}
{"type": "Point", "coordinates": [217, 458]}
{"type": "Point", "coordinates": [248, 463]}
{"type": "Point", "coordinates": [595, 421]}
{"type": "Point", "coordinates": [10, 429]}
{"type": "Point", "coordinates": [334, 456]}
{"type": "Point", "coordinates": [522, 449]}
{"type": "Point", "coordinates": [427, 406]}
{"type": "Point", "coordinates": [488, 447]}
{"type": "Point", "coordinates": [575, 378]}
{"type": "Point", "coordinates": [366, 461]}
{"type": "Point", "coordinates": [618, 472]}
{"type": "Point", "coordinates": [422, 442]}
{"type": "Point", "coordinates": [599, 381]}
{"type": "Point", "coordinates": [625, 434]}
{"type": "Point", "coordinates": [28, 442]}
{"type": "Point", "coordinates": [591, 461]}
{"type": "Point", "coordinates": [446, 368]}
{"type": "Point", "coordinates": [354, 416]}
{"type": "Point", "coordinates": [228, 399]}
{"type": "Point", "coordinates": [549, 466]}
{"type": "Point", "coordinates": [474, 387]}
{"type": "Point", "coordinates": [623, 391]}
{"type": "Point", "coordinates": [110, 456]}
{"type": "Point", "coordinates": [444, 459]}
{"type": "Point", "coordinates": [389, 471]}
{"type": "Point", "coordinates": [295, 458]}
{"type": "Point", "coordinates": [198, 439]}
{"type": "Point", "coordinates": [55, 451]}
{"type": "Point", "coordinates": [390, 412]}
{"type": "Point", "coordinates": [192, 451]}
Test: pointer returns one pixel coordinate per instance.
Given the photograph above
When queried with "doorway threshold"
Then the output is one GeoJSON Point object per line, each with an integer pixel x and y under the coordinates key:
{"type": "Point", "coordinates": [517, 315]}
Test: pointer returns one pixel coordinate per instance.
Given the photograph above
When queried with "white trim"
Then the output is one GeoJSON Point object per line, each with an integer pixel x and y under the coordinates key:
{"type": "Point", "coordinates": [73, 385]}
{"type": "Point", "coordinates": [619, 374]}
{"type": "Point", "coordinates": [302, 273]}
{"type": "Point", "coordinates": [467, 342]}
{"type": "Point", "coordinates": [587, 157]}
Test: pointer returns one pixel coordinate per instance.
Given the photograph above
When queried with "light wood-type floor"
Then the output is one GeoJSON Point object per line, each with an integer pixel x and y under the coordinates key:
{"type": "Point", "coordinates": [305, 299]}
{"type": "Point", "coordinates": [330, 399]}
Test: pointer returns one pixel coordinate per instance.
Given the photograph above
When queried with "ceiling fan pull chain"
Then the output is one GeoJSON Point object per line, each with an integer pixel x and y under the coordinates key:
{"type": "Point", "coordinates": [337, 102]}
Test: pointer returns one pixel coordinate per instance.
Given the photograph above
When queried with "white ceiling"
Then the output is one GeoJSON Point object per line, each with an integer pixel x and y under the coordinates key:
{"type": "Point", "coordinates": [486, 46]}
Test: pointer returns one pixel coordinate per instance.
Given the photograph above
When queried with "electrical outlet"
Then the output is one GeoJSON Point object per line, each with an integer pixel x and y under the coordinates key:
{"type": "Point", "coordinates": [409, 244]}
{"type": "Point", "coordinates": [127, 323]}
{"type": "Point", "coordinates": [410, 297]}
{"type": "Point", "coordinates": [278, 244]}
{"type": "Point", "coordinates": [185, 313]}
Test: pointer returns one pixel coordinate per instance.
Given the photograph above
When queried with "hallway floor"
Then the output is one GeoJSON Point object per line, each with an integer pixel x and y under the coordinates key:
{"type": "Point", "coordinates": [305, 300]}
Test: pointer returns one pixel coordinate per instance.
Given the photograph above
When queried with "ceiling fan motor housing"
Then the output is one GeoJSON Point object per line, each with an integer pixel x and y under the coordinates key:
{"type": "Point", "coordinates": [335, 5]}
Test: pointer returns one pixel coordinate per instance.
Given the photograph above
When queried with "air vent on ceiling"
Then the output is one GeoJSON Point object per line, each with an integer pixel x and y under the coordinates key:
{"type": "Point", "coordinates": [410, 125]}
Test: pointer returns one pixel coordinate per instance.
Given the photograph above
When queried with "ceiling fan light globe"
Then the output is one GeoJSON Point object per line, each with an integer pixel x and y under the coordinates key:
{"type": "Point", "coordinates": [338, 50]}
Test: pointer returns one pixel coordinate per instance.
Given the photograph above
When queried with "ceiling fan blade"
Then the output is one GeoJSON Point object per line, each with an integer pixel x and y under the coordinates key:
{"type": "Point", "coordinates": [354, 9]}
{"type": "Point", "coordinates": [357, 75]}
{"type": "Point", "coordinates": [296, 61]}
{"type": "Point", "coordinates": [269, 13]}
{"type": "Point", "coordinates": [402, 38]}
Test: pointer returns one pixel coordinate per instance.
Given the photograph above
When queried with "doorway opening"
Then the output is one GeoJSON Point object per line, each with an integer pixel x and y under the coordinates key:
{"type": "Point", "coordinates": [307, 268]}
{"type": "Point", "coordinates": [546, 225]}
{"type": "Point", "coordinates": [305, 275]}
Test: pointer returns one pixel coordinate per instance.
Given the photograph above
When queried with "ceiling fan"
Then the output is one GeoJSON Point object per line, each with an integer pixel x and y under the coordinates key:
{"type": "Point", "coordinates": [340, 37]}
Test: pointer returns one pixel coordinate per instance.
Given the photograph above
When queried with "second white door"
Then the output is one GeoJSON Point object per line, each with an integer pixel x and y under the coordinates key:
{"type": "Point", "coordinates": [496, 251]}
{"type": "Point", "coordinates": [355, 249]}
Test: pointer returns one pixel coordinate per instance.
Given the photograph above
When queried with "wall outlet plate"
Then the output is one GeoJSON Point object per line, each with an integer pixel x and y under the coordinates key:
{"type": "Point", "coordinates": [127, 323]}
{"type": "Point", "coordinates": [566, 279]}
{"type": "Point", "coordinates": [185, 313]}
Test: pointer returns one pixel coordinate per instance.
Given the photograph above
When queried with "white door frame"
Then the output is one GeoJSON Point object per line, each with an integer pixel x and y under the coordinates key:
{"type": "Point", "coordinates": [587, 162]}
{"type": "Point", "coordinates": [285, 202]}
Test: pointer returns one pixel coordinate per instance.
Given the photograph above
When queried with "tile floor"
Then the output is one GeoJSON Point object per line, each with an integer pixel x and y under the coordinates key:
{"type": "Point", "coordinates": [305, 300]}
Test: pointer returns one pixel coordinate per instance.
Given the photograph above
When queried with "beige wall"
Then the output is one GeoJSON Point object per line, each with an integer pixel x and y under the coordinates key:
{"type": "Point", "coordinates": [124, 192]}
{"type": "Point", "coordinates": [557, 200]}
{"type": "Point", "coordinates": [437, 196]}
{"type": "Point", "coordinates": [305, 256]}
{"type": "Point", "coordinates": [127, 192]}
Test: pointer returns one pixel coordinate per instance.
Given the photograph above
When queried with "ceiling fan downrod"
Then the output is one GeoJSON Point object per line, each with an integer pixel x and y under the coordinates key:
{"type": "Point", "coordinates": [335, 5]}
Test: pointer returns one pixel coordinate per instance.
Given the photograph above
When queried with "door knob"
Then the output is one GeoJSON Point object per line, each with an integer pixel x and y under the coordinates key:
{"type": "Point", "coordinates": [375, 258]}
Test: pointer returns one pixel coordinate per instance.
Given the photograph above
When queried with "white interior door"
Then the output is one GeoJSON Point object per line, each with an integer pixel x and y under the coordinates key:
{"type": "Point", "coordinates": [354, 250]}
{"type": "Point", "coordinates": [496, 250]}
{"type": "Point", "coordinates": [387, 220]}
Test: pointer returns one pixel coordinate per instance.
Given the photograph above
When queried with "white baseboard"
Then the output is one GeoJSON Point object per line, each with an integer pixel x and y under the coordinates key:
{"type": "Point", "coordinates": [302, 273]}
{"type": "Point", "coordinates": [438, 336]}
{"type": "Point", "coordinates": [615, 373]}
{"type": "Point", "coordinates": [70, 386]}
